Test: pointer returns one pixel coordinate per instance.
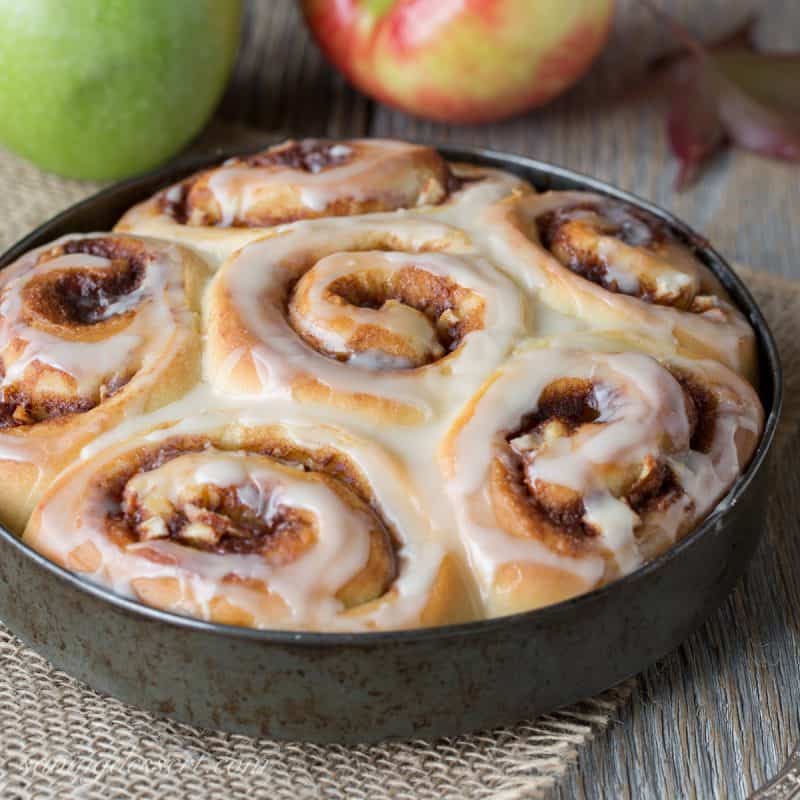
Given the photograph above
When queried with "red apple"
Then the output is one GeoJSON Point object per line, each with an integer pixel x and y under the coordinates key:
{"type": "Point", "coordinates": [461, 60]}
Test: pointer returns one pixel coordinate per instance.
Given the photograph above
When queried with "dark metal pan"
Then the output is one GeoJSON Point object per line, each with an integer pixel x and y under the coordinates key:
{"type": "Point", "coordinates": [364, 687]}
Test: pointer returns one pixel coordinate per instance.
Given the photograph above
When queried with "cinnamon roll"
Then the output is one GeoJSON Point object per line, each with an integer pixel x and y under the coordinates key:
{"type": "Point", "coordinates": [92, 328]}
{"type": "Point", "coordinates": [572, 466]}
{"type": "Point", "coordinates": [602, 260]}
{"type": "Point", "coordinates": [221, 209]}
{"type": "Point", "coordinates": [277, 525]}
{"type": "Point", "coordinates": [365, 388]}
{"type": "Point", "coordinates": [391, 320]}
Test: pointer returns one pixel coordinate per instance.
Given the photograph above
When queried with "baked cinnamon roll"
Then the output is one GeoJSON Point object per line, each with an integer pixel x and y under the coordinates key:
{"type": "Point", "coordinates": [278, 525]}
{"type": "Point", "coordinates": [221, 209]}
{"type": "Point", "coordinates": [572, 466]}
{"type": "Point", "coordinates": [620, 268]}
{"type": "Point", "coordinates": [92, 329]}
{"type": "Point", "coordinates": [411, 393]}
{"type": "Point", "coordinates": [390, 320]}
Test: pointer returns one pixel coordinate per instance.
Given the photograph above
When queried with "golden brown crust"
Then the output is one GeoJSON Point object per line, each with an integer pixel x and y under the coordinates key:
{"type": "Point", "coordinates": [220, 209]}
{"type": "Point", "coordinates": [589, 444]}
{"type": "Point", "coordinates": [365, 317]}
{"type": "Point", "coordinates": [49, 299]}
{"type": "Point", "coordinates": [620, 269]}
{"type": "Point", "coordinates": [205, 524]}
{"type": "Point", "coordinates": [386, 186]}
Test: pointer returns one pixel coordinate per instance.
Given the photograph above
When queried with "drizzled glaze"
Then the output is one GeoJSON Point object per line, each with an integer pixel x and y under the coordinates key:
{"type": "Point", "coordinates": [620, 269]}
{"type": "Point", "coordinates": [324, 315]}
{"type": "Point", "coordinates": [623, 249]}
{"type": "Point", "coordinates": [352, 177]}
{"type": "Point", "coordinates": [301, 587]}
{"type": "Point", "coordinates": [222, 209]}
{"type": "Point", "coordinates": [88, 327]}
{"type": "Point", "coordinates": [601, 448]}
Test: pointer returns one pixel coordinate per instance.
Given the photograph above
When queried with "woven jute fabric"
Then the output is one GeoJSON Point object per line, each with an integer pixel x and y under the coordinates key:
{"type": "Point", "coordinates": [60, 739]}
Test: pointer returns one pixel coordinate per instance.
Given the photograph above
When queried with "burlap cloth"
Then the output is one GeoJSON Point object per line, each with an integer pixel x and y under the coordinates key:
{"type": "Point", "coordinates": [59, 739]}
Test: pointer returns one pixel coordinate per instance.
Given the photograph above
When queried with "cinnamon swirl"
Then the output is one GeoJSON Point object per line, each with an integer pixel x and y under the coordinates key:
{"type": "Point", "coordinates": [602, 260]}
{"type": "Point", "coordinates": [394, 321]}
{"type": "Point", "coordinates": [92, 328]}
{"type": "Point", "coordinates": [270, 525]}
{"type": "Point", "coordinates": [572, 467]}
{"type": "Point", "coordinates": [221, 209]}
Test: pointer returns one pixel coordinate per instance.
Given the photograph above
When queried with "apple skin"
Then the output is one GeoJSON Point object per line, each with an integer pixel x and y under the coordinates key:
{"type": "Point", "coordinates": [460, 60]}
{"type": "Point", "coordinates": [104, 89]}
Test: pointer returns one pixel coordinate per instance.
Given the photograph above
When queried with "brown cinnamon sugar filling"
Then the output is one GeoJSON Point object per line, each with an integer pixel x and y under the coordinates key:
{"type": "Point", "coordinates": [84, 296]}
{"type": "Point", "coordinates": [217, 521]}
{"type": "Point", "coordinates": [174, 202]}
{"type": "Point", "coordinates": [556, 513]}
{"type": "Point", "coordinates": [308, 155]}
{"type": "Point", "coordinates": [214, 519]}
{"type": "Point", "coordinates": [702, 409]}
{"type": "Point", "coordinates": [18, 409]}
{"type": "Point", "coordinates": [571, 401]}
{"type": "Point", "coordinates": [558, 232]}
{"type": "Point", "coordinates": [64, 300]}
{"type": "Point", "coordinates": [453, 310]}
{"type": "Point", "coordinates": [192, 202]}
{"type": "Point", "coordinates": [185, 202]}
{"type": "Point", "coordinates": [633, 226]}
{"type": "Point", "coordinates": [655, 490]}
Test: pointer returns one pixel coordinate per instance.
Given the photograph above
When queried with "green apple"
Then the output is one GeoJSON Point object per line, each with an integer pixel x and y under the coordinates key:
{"type": "Point", "coordinates": [103, 89]}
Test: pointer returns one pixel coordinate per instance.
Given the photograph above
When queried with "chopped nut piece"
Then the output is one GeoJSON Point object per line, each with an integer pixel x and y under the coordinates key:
{"type": "Point", "coordinates": [199, 532]}
{"type": "Point", "coordinates": [153, 528]}
{"type": "Point", "coordinates": [703, 303]}
{"type": "Point", "coordinates": [23, 416]}
{"type": "Point", "coordinates": [157, 505]}
{"type": "Point", "coordinates": [546, 434]}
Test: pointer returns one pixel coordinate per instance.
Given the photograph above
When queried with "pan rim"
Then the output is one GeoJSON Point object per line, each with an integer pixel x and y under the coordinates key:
{"type": "Point", "coordinates": [769, 367]}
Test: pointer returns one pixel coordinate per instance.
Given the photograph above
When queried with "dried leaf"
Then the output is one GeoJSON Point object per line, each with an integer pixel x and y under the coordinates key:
{"type": "Point", "coordinates": [729, 92]}
{"type": "Point", "coordinates": [694, 127]}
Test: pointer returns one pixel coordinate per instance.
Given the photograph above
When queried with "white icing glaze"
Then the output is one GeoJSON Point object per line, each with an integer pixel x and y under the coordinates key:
{"type": "Point", "coordinates": [253, 287]}
{"type": "Point", "coordinates": [308, 584]}
{"type": "Point", "coordinates": [381, 169]}
{"type": "Point", "coordinates": [236, 188]}
{"type": "Point", "coordinates": [84, 359]}
{"type": "Point", "coordinates": [156, 322]}
{"type": "Point", "coordinates": [77, 512]}
{"type": "Point", "coordinates": [641, 407]}
{"type": "Point", "coordinates": [716, 326]}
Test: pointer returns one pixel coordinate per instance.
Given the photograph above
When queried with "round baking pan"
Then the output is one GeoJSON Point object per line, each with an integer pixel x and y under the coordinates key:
{"type": "Point", "coordinates": [419, 683]}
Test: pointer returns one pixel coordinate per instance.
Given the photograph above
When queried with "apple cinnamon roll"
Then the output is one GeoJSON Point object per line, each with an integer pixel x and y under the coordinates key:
{"type": "Point", "coordinates": [391, 320]}
{"type": "Point", "coordinates": [572, 467]}
{"type": "Point", "coordinates": [92, 328]}
{"type": "Point", "coordinates": [282, 525]}
{"type": "Point", "coordinates": [622, 268]}
{"type": "Point", "coordinates": [219, 210]}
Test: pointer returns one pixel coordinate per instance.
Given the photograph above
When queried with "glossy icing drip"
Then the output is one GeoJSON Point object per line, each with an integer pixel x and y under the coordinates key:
{"type": "Point", "coordinates": [66, 355]}
{"type": "Point", "coordinates": [619, 269]}
{"type": "Point", "coordinates": [635, 419]}
{"type": "Point", "coordinates": [305, 585]}
{"type": "Point", "coordinates": [318, 333]}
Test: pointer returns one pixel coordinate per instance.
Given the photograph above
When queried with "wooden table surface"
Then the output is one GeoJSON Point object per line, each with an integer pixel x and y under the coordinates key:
{"type": "Point", "coordinates": [717, 717]}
